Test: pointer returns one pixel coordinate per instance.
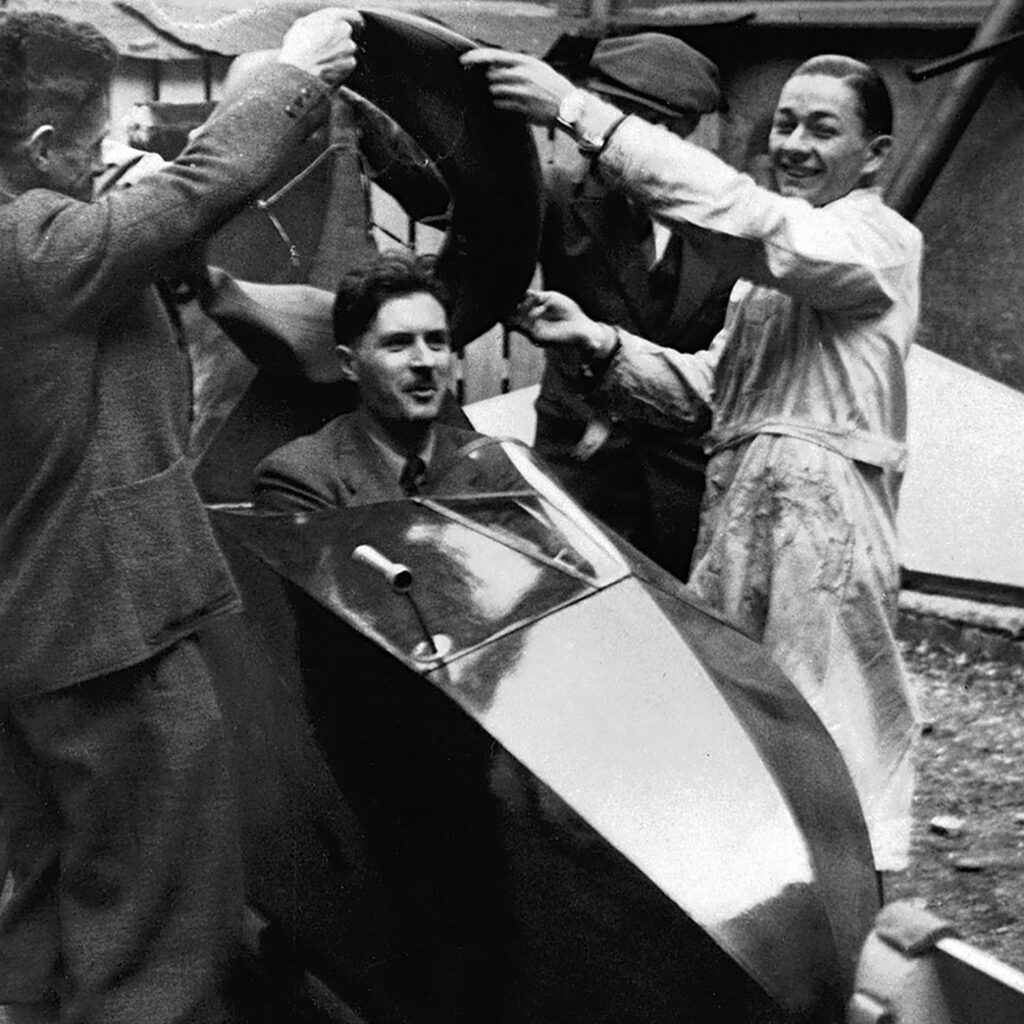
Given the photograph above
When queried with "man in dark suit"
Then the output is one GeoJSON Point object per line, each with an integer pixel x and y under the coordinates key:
{"type": "Point", "coordinates": [606, 254]}
{"type": "Point", "coordinates": [391, 329]}
{"type": "Point", "coordinates": [118, 842]}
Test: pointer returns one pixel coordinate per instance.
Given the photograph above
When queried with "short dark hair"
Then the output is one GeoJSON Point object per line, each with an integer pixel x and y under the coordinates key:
{"type": "Point", "coordinates": [365, 289]}
{"type": "Point", "coordinates": [873, 100]}
{"type": "Point", "coordinates": [51, 69]}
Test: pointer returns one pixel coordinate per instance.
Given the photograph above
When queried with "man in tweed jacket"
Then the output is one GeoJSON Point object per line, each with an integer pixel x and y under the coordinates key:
{"type": "Point", "coordinates": [117, 833]}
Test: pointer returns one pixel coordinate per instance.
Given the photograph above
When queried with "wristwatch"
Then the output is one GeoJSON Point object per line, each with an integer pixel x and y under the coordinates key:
{"type": "Point", "coordinates": [569, 112]}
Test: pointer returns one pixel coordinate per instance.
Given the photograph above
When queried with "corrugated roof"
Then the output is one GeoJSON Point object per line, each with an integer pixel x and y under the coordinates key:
{"type": "Point", "coordinates": [221, 27]}
{"type": "Point", "coordinates": [166, 30]}
{"type": "Point", "coordinates": [185, 29]}
{"type": "Point", "coordinates": [132, 36]}
{"type": "Point", "coordinates": [231, 27]}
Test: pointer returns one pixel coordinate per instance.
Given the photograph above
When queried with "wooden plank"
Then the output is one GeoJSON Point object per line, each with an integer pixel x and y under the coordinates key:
{"type": "Point", "coordinates": [134, 83]}
{"type": "Point", "coordinates": [525, 360]}
{"type": "Point", "coordinates": [525, 363]}
{"type": "Point", "coordinates": [482, 367]}
{"type": "Point", "coordinates": [979, 988]}
{"type": "Point", "coordinates": [805, 14]}
{"type": "Point", "coordinates": [218, 69]}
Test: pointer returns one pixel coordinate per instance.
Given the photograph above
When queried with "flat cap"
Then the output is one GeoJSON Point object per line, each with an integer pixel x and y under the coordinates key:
{"type": "Point", "coordinates": [658, 71]}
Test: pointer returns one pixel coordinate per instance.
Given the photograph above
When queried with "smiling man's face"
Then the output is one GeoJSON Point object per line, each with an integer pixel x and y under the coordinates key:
{"type": "Point", "coordinates": [403, 361]}
{"type": "Point", "coordinates": [818, 146]}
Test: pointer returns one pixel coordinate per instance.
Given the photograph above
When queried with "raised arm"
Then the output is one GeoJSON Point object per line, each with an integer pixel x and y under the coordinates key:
{"type": "Point", "coordinates": [831, 256]}
{"type": "Point", "coordinates": [89, 255]}
{"type": "Point", "coordinates": [636, 379]}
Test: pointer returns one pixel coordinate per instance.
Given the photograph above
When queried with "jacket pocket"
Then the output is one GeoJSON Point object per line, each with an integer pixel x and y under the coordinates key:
{"type": "Point", "coordinates": [161, 545]}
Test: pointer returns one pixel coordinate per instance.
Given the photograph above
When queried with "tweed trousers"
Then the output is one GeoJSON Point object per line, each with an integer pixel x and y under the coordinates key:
{"type": "Point", "coordinates": [119, 846]}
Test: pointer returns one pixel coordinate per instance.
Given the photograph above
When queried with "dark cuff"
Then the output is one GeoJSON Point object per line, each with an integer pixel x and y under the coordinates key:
{"type": "Point", "coordinates": [594, 370]}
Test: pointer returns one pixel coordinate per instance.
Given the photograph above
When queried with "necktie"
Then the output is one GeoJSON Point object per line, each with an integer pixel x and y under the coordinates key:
{"type": "Point", "coordinates": [665, 273]}
{"type": "Point", "coordinates": [647, 246]}
{"type": "Point", "coordinates": [413, 474]}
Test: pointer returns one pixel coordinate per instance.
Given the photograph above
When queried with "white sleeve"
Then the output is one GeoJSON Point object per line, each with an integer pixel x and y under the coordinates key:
{"type": "Point", "coordinates": [659, 386]}
{"type": "Point", "coordinates": [832, 257]}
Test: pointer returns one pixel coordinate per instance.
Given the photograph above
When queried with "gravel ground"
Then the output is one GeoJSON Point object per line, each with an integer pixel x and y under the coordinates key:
{"type": "Point", "coordinates": [968, 848]}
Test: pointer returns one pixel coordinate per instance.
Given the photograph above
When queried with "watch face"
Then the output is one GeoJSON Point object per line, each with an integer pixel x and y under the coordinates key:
{"type": "Point", "coordinates": [571, 107]}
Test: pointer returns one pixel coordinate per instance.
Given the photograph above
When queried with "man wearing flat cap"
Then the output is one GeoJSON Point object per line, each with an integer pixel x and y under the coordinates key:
{"type": "Point", "coordinates": [606, 254]}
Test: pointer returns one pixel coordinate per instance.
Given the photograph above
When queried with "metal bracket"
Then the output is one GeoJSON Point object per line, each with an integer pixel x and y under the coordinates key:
{"type": "Point", "coordinates": [940, 67]}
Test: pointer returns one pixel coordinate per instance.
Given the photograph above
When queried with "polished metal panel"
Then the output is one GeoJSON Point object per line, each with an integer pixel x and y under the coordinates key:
{"type": "Point", "coordinates": [629, 724]}
{"type": "Point", "coordinates": [629, 729]}
{"type": "Point", "coordinates": [481, 562]}
{"type": "Point", "coordinates": [469, 585]}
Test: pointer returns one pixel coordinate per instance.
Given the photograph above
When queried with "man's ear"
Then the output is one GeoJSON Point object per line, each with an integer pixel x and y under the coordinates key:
{"type": "Point", "coordinates": [878, 150]}
{"type": "Point", "coordinates": [38, 147]}
{"type": "Point", "coordinates": [348, 364]}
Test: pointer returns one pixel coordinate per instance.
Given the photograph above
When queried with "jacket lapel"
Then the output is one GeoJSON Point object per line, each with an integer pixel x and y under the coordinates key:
{"type": "Point", "coordinates": [699, 277]}
{"type": "Point", "coordinates": [362, 469]}
{"type": "Point", "coordinates": [447, 442]}
{"type": "Point", "coordinates": [616, 233]}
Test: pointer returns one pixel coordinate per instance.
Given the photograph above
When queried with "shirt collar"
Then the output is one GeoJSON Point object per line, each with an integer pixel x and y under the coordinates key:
{"type": "Point", "coordinates": [394, 456]}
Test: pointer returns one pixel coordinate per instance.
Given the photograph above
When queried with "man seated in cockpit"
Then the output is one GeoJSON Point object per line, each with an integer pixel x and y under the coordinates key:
{"type": "Point", "coordinates": [393, 343]}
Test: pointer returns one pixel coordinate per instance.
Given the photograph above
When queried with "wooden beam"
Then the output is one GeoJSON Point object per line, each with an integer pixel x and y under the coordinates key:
{"type": "Point", "coordinates": [600, 16]}
{"type": "Point", "coordinates": [806, 13]}
{"type": "Point", "coordinates": [953, 110]}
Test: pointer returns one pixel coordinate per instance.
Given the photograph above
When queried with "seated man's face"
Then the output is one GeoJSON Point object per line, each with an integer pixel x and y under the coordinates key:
{"type": "Point", "coordinates": [403, 361]}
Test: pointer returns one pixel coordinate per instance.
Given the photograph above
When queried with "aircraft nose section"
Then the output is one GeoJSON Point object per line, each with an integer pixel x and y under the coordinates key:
{"type": "Point", "coordinates": [596, 801]}
{"type": "Point", "coordinates": [639, 740]}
